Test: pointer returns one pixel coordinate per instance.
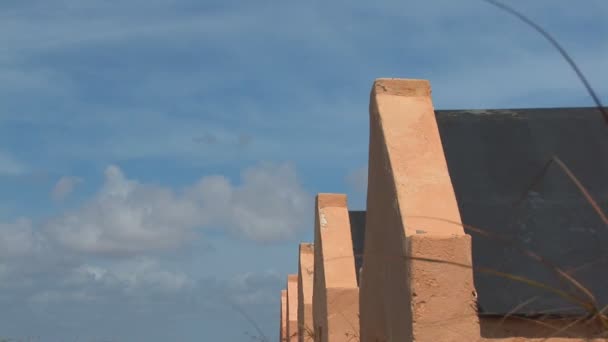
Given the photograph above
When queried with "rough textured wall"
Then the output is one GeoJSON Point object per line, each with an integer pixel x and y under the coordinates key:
{"type": "Point", "coordinates": [283, 325]}
{"type": "Point", "coordinates": [357, 229]}
{"type": "Point", "coordinates": [305, 284]}
{"type": "Point", "coordinates": [335, 294]}
{"type": "Point", "coordinates": [411, 223]}
{"type": "Point", "coordinates": [494, 156]}
{"type": "Point", "coordinates": [519, 329]}
{"type": "Point", "coordinates": [292, 307]}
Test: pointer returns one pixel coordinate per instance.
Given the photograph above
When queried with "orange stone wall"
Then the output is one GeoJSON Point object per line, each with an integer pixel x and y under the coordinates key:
{"type": "Point", "coordinates": [283, 323]}
{"type": "Point", "coordinates": [403, 296]}
{"type": "Point", "coordinates": [335, 291]}
{"type": "Point", "coordinates": [416, 283]}
{"type": "Point", "coordinates": [305, 289]}
{"type": "Point", "coordinates": [292, 308]}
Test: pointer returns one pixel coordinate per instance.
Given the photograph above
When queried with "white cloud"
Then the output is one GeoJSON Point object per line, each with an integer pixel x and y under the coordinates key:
{"type": "Point", "coordinates": [64, 187]}
{"type": "Point", "coordinates": [269, 204]}
{"type": "Point", "coordinates": [339, 48]}
{"type": "Point", "coordinates": [139, 284]}
{"type": "Point", "coordinates": [19, 240]}
{"type": "Point", "coordinates": [47, 297]}
{"type": "Point", "coordinates": [132, 276]}
{"type": "Point", "coordinates": [128, 217]}
{"type": "Point", "coordinates": [87, 273]}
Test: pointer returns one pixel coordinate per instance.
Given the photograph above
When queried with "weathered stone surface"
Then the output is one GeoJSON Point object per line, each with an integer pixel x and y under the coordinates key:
{"type": "Point", "coordinates": [305, 289]}
{"type": "Point", "coordinates": [335, 293]}
{"type": "Point", "coordinates": [493, 158]}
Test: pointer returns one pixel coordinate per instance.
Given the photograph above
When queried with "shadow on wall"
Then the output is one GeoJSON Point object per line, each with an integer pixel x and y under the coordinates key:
{"type": "Point", "coordinates": [494, 157]}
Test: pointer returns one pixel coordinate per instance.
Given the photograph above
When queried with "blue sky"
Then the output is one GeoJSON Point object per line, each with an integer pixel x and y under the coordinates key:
{"type": "Point", "coordinates": [159, 158]}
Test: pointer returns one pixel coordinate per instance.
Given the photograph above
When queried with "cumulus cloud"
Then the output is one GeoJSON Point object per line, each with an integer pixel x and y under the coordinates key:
{"type": "Point", "coordinates": [142, 100]}
{"type": "Point", "coordinates": [131, 276]}
{"type": "Point", "coordinates": [269, 203]}
{"type": "Point", "coordinates": [100, 260]}
{"type": "Point", "coordinates": [125, 217]}
{"type": "Point", "coordinates": [91, 296]}
{"type": "Point", "coordinates": [18, 239]}
{"type": "Point", "coordinates": [92, 280]}
{"type": "Point", "coordinates": [64, 187]}
{"type": "Point", "coordinates": [128, 217]}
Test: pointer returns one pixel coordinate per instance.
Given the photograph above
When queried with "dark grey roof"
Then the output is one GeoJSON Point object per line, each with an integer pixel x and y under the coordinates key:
{"type": "Point", "coordinates": [493, 157]}
{"type": "Point", "coordinates": [357, 230]}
